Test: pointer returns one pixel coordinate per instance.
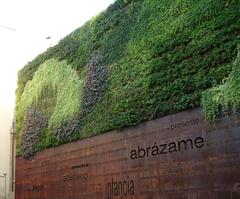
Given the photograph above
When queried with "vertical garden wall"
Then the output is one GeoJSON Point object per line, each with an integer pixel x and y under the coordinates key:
{"type": "Point", "coordinates": [138, 60]}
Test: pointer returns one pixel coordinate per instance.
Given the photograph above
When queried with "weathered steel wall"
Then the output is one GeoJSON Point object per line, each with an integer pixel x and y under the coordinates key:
{"type": "Point", "coordinates": [174, 157]}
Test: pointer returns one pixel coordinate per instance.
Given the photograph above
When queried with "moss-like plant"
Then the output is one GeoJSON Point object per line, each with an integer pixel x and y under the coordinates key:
{"type": "Point", "coordinates": [225, 97]}
{"type": "Point", "coordinates": [57, 88]}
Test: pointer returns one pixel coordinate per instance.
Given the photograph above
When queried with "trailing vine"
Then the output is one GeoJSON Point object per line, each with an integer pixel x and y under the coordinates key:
{"type": "Point", "coordinates": [225, 97]}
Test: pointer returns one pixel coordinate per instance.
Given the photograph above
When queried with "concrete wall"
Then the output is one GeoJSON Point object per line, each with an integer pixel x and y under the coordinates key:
{"type": "Point", "coordinates": [174, 157]}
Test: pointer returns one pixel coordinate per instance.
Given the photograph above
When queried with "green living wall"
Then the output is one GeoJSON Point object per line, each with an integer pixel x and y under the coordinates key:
{"type": "Point", "coordinates": [138, 60]}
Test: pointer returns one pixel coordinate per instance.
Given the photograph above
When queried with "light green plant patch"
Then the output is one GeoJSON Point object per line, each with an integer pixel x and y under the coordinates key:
{"type": "Point", "coordinates": [224, 97]}
{"type": "Point", "coordinates": [54, 90]}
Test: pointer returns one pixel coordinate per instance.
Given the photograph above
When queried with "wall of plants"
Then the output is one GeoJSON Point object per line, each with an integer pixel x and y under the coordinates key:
{"type": "Point", "coordinates": [136, 61]}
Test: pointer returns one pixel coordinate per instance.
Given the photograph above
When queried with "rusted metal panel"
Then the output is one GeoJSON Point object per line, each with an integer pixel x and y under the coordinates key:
{"type": "Point", "coordinates": [174, 157]}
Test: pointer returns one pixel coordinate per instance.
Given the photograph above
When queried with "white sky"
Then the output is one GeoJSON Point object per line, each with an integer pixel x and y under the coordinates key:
{"type": "Point", "coordinates": [33, 21]}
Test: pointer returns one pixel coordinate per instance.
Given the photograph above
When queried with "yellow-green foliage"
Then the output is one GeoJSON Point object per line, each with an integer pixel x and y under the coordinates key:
{"type": "Point", "coordinates": [225, 97]}
{"type": "Point", "coordinates": [55, 89]}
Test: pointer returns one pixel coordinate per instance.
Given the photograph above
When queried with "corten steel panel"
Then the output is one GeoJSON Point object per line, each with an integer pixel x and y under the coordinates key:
{"type": "Point", "coordinates": [174, 157]}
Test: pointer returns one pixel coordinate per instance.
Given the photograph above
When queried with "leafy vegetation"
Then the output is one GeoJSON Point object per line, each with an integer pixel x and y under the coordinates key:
{"type": "Point", "coordinates": [160, 57]}
{"type": "Point", "coordinates": [34, 124]}
{"type": "Point", "coordinates": [54, 91]}
{"type": "Point", "coordinates": [93, 91]}
{"type": "Point", "coordinates": [225, 97]}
